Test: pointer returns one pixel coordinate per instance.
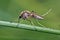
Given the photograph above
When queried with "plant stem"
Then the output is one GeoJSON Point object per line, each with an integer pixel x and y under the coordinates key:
{"type": "Point", "coordinates": [29, 27]}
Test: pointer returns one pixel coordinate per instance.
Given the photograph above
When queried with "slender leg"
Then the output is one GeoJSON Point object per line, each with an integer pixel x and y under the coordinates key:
{"type": "Point", "coordinates": [18, 21]}
{"type": "Point", "coordinates": [47, 12]}
{"type": "Point", "coordinates": [40, 24]}
{"type": "Point", "coordinates": [30, 22]}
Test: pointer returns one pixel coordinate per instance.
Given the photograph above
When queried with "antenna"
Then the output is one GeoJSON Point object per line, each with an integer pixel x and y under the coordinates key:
{"type": "Point", "coordinates": [47, 12]}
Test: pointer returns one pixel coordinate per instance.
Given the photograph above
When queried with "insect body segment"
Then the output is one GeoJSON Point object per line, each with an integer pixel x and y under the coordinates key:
{"type": "Point", "coordinates": [37, 16]}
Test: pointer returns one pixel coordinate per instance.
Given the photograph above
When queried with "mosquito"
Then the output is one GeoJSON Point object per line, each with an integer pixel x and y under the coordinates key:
{"type": "Point", "coordinates": [26, 14]}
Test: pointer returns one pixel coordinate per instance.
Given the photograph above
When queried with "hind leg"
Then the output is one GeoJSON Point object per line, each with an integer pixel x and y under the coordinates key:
{"type": "Point", "coordinates": [40, 23]}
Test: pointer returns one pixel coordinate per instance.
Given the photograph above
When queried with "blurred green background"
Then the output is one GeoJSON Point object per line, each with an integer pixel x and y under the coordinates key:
{"type": "Point", "coordinates": [10, 9]}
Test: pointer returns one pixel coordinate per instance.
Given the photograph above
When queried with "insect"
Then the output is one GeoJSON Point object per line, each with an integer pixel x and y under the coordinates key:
{"type": "Point", "coordinates": [26, 14]}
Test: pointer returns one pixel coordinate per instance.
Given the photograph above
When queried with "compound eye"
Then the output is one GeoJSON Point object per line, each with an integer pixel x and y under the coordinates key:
{"type": "Point", "coordinates": [20, 17]}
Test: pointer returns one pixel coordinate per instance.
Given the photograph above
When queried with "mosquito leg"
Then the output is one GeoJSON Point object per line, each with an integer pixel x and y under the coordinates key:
{"type": "Point", "coordinates": [30, 22]}
{"type": "Point", "coordinates": [18, 21]}
{"type": "Point", "coordinates": [40, 24]}
{"type": "Point", "coordinates": [47, 12]}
